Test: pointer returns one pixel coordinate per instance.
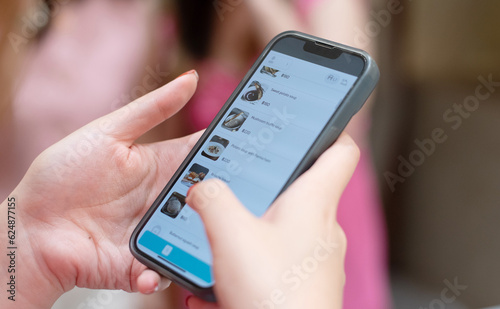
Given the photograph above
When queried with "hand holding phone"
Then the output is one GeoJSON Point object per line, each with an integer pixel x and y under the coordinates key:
{"type": "Point", "coordinates": [290, 107]}
{"type": "Point", "coordinates": [293, 251]}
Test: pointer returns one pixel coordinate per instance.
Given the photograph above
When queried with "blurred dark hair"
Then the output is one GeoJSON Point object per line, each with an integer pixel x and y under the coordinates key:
{"type": "Point", "coordinates": [195, 19]}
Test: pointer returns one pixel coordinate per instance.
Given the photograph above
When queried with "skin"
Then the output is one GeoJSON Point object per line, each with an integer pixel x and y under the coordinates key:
{"type": "Point", "coordinates": [81, 199]}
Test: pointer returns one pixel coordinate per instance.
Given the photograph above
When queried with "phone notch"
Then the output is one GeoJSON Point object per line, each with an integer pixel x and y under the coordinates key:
{"type": "Point", "coordinates": [322, 49]}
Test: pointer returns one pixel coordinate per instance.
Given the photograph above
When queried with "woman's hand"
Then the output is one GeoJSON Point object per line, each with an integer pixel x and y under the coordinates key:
{"type": "Point", "coordinates": [292, 257]}
{"type": "Point", "coordinates": [82, 197]}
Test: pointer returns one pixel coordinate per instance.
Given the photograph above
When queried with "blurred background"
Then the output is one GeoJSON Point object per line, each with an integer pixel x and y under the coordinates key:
{"type": "Point", "coordinates": [422, 210]}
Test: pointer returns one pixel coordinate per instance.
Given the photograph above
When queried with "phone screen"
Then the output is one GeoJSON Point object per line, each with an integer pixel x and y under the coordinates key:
{"type": "Point", "coordinates": [255, 147]}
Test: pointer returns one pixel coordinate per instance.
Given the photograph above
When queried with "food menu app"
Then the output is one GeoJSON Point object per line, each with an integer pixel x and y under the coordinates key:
{"type": "Point", "coordinates": [255, 148]}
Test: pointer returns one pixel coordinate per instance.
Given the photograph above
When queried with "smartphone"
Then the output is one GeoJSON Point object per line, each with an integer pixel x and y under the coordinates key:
{"type": "Point", "coordinates": [289, 108]}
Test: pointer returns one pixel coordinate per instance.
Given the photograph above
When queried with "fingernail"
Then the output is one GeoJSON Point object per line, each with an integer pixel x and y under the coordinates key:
{"type": "Point", "coordinates": [190, 72]}
{"type": "Point", "coordinates": [157, 287]}
{"type": "Point", "coordinates": [187, 300]}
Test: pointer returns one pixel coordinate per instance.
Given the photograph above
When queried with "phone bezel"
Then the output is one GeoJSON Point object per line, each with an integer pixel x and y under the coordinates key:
{"type": "Point", "coordinates": [352, 102]}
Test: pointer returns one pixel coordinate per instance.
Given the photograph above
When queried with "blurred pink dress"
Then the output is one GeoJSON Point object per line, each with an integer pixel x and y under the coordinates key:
{"type": "Point", "coordinates": [83, 68]}
{"type": "Point", "coordinates": [359, 210]}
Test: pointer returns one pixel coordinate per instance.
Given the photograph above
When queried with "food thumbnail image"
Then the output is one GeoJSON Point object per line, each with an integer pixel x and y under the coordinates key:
{"type": "Point", "coordinates": [254, 92]}
{"type": "Point", "coordinates": [269, 71]}
{"type": "Point", "coordinates": [215, 147]}
{"type": "Point", "coordinates": [235, 120]}
{"type": "Point", "coordinates": [195, 174]}
{"type": "Point", "coordinates": [174, 205]}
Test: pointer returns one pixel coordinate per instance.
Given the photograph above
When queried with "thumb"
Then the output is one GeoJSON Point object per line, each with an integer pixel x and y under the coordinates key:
{"type": "Point", "coordinates": [225, 218]}
{"type": "Point", "coordinates": [136, 118]}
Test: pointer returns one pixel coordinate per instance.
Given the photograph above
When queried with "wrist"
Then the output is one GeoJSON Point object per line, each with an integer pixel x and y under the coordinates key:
{"type": "Point", "coordinates": [27, 282]}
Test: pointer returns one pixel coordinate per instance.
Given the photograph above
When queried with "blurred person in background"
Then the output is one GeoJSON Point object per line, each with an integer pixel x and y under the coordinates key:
{"type": "Point", "coordinates": [82, 59]}
{"type": "Point", "coordinates": [99, 52]}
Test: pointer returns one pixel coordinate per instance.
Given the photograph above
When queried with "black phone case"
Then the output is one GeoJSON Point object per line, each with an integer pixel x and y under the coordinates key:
{"type": "Point", "coordinates": [351, 104]}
